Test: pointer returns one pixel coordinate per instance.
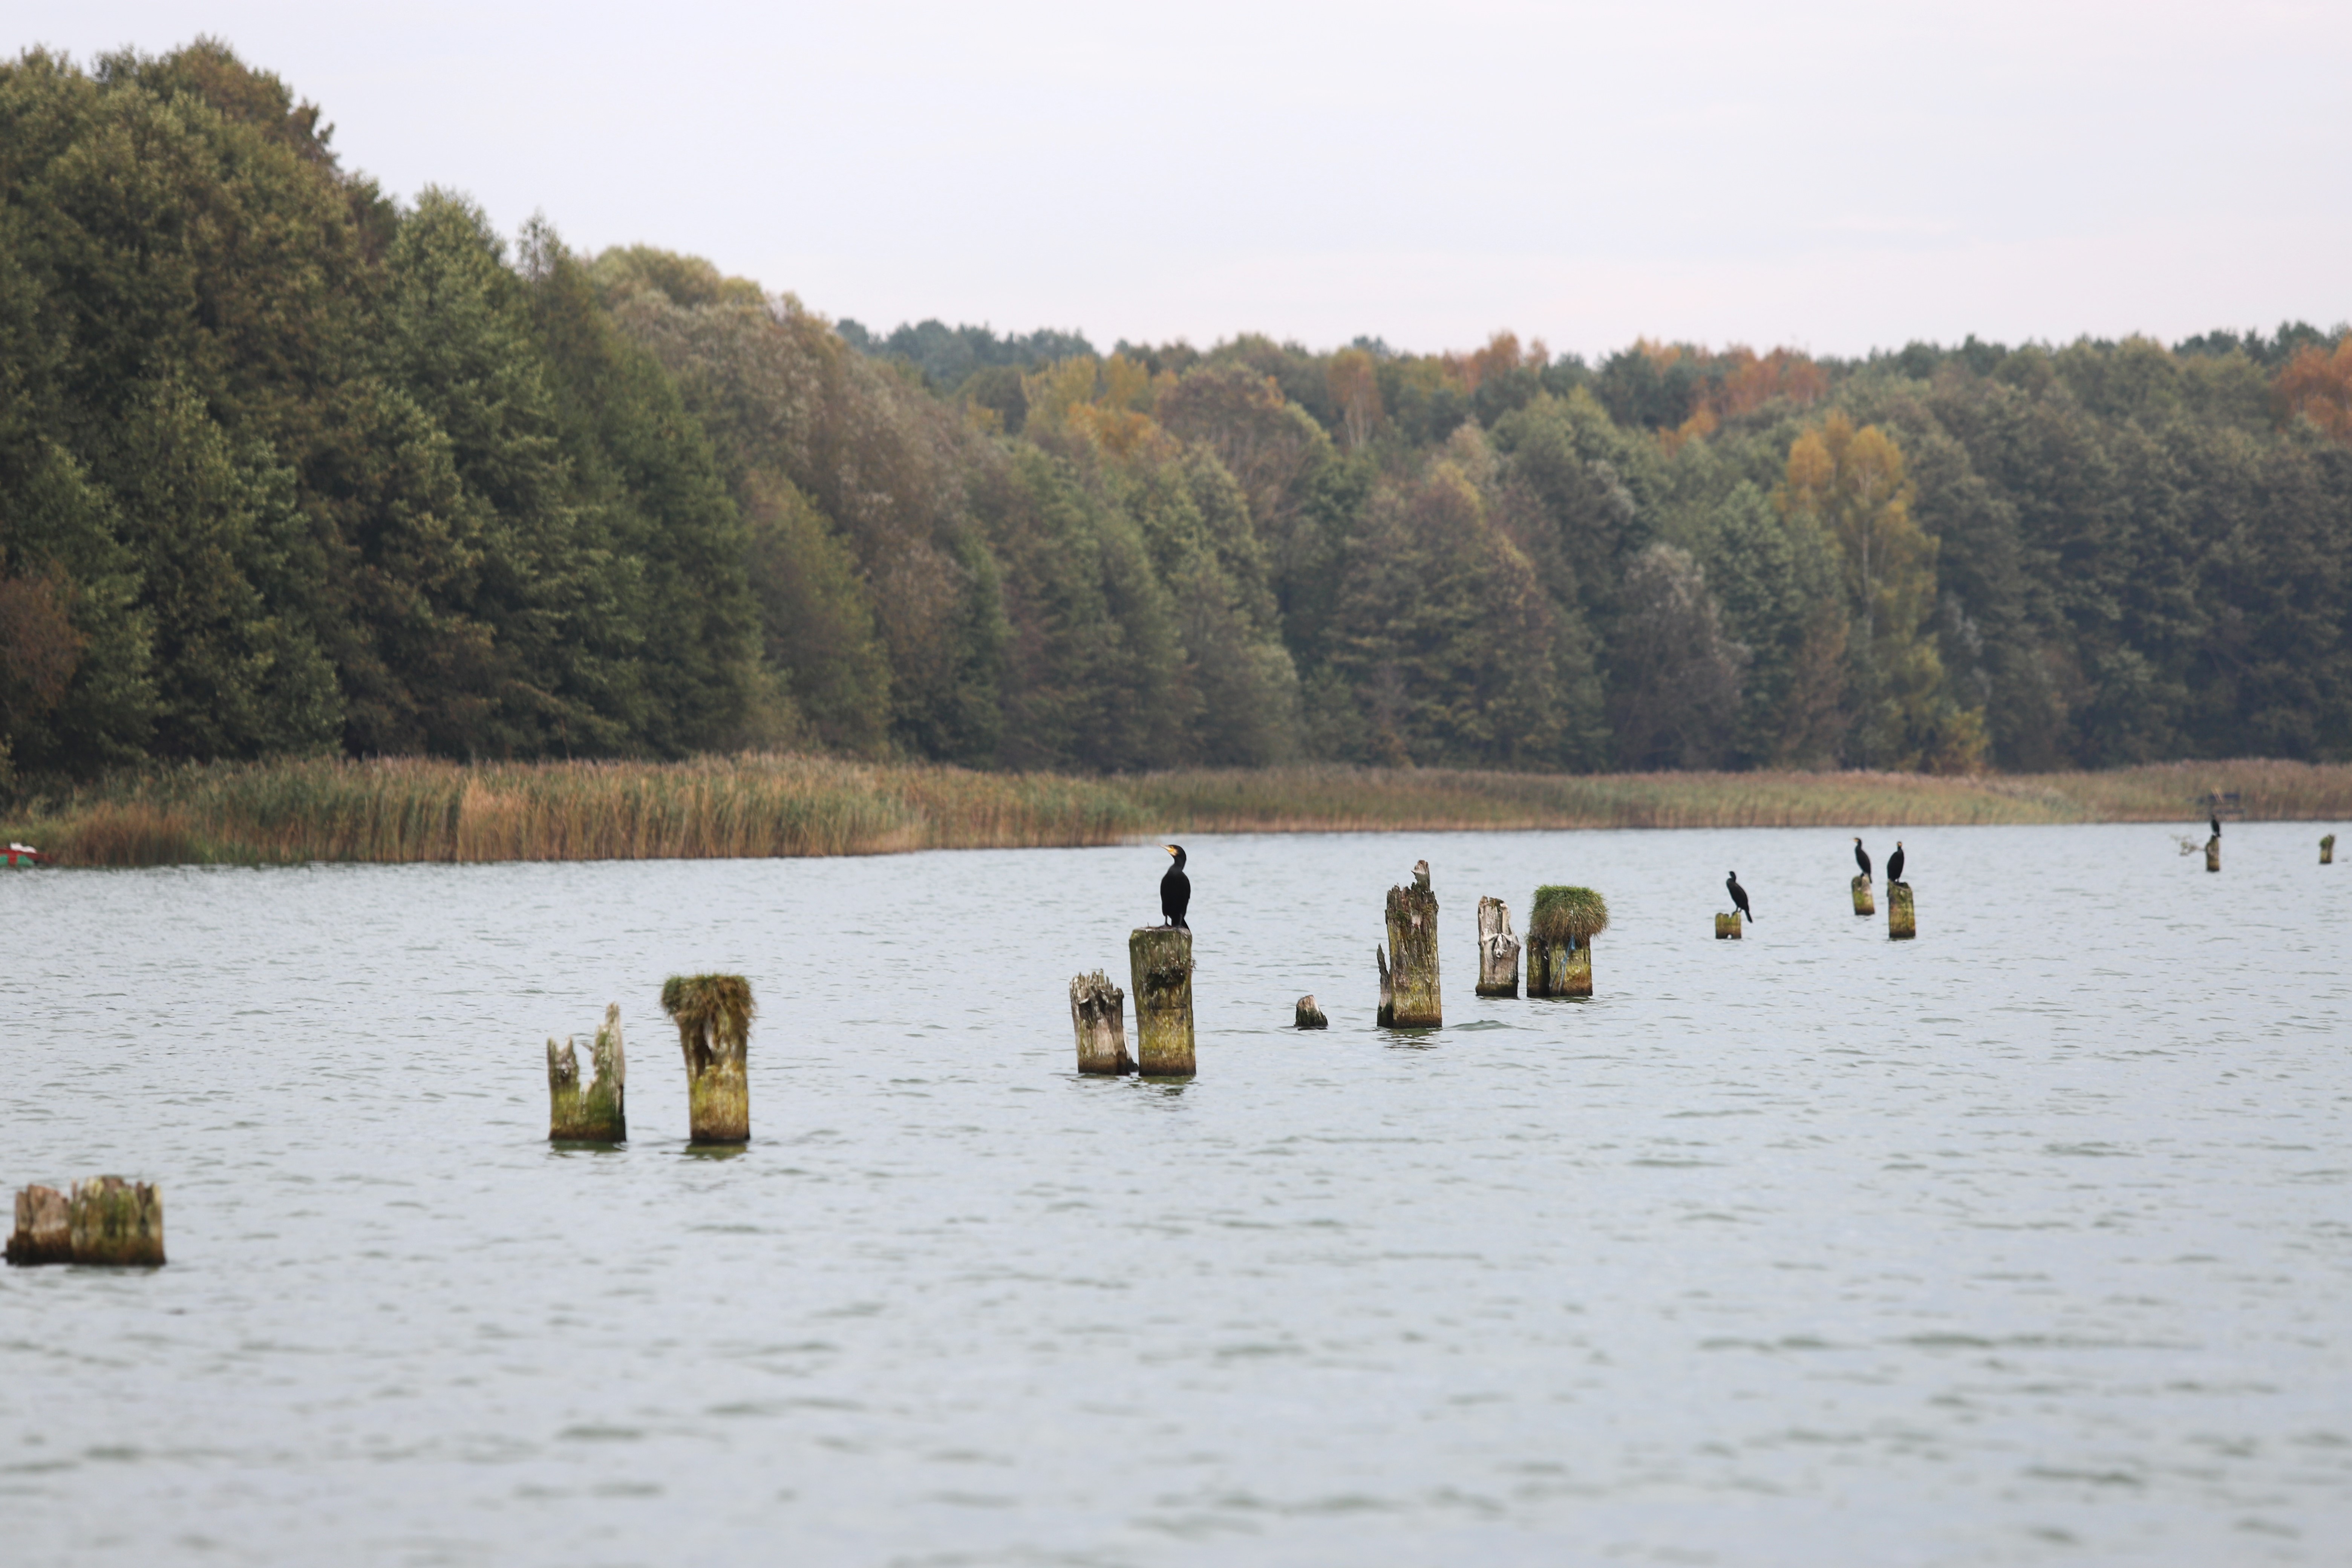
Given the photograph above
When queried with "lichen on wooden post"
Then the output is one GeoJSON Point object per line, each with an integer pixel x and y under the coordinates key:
{"type": "Point", "coordinates": [1498, 950]}
{"type": "Point", "coordinates": [1863, 904]}
{"type": "Point", "coordinates": [1902, 924]}
{"type": "Point", "coordinates": [1098, 1014]}
{"type": "Point", "coordinates": [713, 1013]}
{"type": "Point", "coordinates": [1309, 1015]}
{"type": "Point", "coordinates": [2213, 853]}
{"type": "Point", "coordinates": [1561, 928]}
{"type": "Point", "coordinates": [2327, 850]}
{"type": "Point", "coordinates": [1726, 926]}
{"type": "Point", "coordinates": [1409, 991]}
{"type": "Point", "coordinates": [1160, 961]}
{"type": "Point", "coordinates": [43, 1232]}
{"type": "Point", "coordinates": [117, 1223]}
{"type": "Point", "coordinates": [598, 1111]}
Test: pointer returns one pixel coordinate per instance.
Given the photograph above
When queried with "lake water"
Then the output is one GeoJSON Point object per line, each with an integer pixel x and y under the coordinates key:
{"type": "Point", "coordinates": [2030, 1241]}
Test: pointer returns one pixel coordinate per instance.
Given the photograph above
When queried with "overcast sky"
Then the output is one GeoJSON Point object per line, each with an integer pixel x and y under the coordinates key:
{"type": "Point", "coordinates": [1831, 175]}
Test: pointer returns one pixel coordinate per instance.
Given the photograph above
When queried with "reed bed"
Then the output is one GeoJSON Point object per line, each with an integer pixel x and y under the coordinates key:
{"type": "Point", "coordinates": [769, 805]}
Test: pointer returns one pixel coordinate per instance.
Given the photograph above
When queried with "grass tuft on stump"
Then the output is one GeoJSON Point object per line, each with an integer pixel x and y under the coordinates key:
{"type": "Point", "coordinates": [1574, 915]}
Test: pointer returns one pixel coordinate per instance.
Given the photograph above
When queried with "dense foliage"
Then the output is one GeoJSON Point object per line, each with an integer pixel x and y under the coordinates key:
{"type": "Point", "coordinates": [289, 468]}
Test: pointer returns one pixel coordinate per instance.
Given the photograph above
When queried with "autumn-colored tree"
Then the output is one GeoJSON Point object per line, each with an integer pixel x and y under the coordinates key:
{"type": "Point", "coordinates": [2316, 384]}
{"type": "Point", "coordinates": [1355, 386]}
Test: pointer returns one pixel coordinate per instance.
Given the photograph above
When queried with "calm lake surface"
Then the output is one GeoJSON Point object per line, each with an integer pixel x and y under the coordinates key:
{"type": "Point", "coordinates": [2030, 1241]}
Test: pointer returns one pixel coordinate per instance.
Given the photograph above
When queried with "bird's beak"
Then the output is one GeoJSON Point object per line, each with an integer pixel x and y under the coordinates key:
{"type": "Point", "coordinates": [1169, 847]}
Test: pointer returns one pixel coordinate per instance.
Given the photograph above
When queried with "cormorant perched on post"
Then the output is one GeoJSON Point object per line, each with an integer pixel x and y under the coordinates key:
{"type": "Point", "coordinates": [2213, 820]}
{"type": "Point", "coordinates": [1861, 856]}
{"type": "Point", "coordinates": [1175, 890]}
{"type": "Point", "coordinates": [1739, 893]}
{"type": "Point", "coordinates": [1895, 863]}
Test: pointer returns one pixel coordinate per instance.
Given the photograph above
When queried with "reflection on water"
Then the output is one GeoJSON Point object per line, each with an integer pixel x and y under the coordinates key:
{"type": "Point", "coordinates": [2027, 1241]}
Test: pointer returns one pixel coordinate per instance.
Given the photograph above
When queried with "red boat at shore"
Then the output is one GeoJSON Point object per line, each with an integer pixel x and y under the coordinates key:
{"type": "Point", "coordinates": [17, 854]}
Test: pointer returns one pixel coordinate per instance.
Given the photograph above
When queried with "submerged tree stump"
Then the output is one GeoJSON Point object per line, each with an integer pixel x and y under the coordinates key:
{"type": "Point", "coordinates": [1863, 904]}
{"type": "Point", "coordinates": [1726, 926]}
{"type": "Point", "coordinates": [1901, 923]}
{"type": "Point", "coordinates": [2213, 853]}
{"type": "Point", "coordinates": [1098, 1014]}
{"type": "Point", "coordinates": [1561, 925]}
{"type": "Point", "coordinates": [1160, 959]}
{"type": "Point", "coordinates": [713, 1013]}
{"type": "Point", "coordinates": [43, 1232]}
{"type": "Point", "coordinates": [1409, 984]}
{"type": "Point", "coordinates": [2327, 850]}
{"type": "Point", "coordinates": [598, 1112]}
{"type": "Point", "coordinates": [1498, 951]}
{"type": "Point", "coordinates": [1309, 1015]}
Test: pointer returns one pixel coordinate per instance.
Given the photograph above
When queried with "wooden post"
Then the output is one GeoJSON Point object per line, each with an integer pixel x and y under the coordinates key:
{"type": "Point", "coordinates": [1498, 951]}
{"type": "Point", "coordinates": [1561, 925]}
{"type": "Point", "coordinates": [44, 1234]}
{"type": "Point", "coordinates": [1902, 924]}
{"type": "Point", "coordinates": [1863, 904]}
{"type": "Point", "coordinates": [1410, 995]}
{"type": "Point", "coordinates": [1726, 926]}
{"type": "Point", "coordinates": [1310, 1017]}
{"type": "Point", "coordinates": [1161, 960]}
{"type": "Point", "coordinates": [1098, 1014]}
{"type": "Point", "coordinates": [2213, 853]}
{"type": "Point", "coordinates": [2327, 850]}
{"type": "Point", "coordinates": [713, 1013]}
{"type": "Point", "coordinates": [116, 1221]}
{"type": "Point", "coordinates": [597, 1113]}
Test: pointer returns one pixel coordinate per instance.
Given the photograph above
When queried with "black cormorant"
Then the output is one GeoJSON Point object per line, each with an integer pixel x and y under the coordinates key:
{"type": "Point", "coordinates": [1895, 863]}
{"type": "Point", "coordinates": [2213, 820]}
{"type": "Point", "coordinates": [1739, 893]}
{"type": "Point", "coordinates": [1175, 889]}
{"type": "Point", "coordinates": [1862, 857]}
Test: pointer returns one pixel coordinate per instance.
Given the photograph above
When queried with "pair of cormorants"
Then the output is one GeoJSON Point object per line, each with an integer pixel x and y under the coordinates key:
{"type": "Point", "coordinates": [1893, 861]}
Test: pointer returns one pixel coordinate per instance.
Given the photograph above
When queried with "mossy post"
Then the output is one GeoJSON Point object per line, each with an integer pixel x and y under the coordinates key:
{"type": "Point", "coordinates": [1410, 995]}
{"type": "Point", "coordinates": [1308, 1016]}
{"type": "Point", "coordinates": [1498, 950]}
{"type": "Point", "coordinates": [1863, 904]}
{"type": "Point", "coordinates": [2213, 853]}
{"type": "Point", "coordinates": [1726, 926]}
{"type": "Point", "coordinates": [597, 1112]}
{"type": "Point", "coordinates": [1902, 924]}
{"type": "Point", "coordinates": [2327, 850]}
{"type": "Point", "coordinates": [1160, 959]}
{"type": "Point", "coordinates": [1560, 929]}
{"type": "Point", "coordinates": [1098, 1014]}
{"type": "Point", "coordinates": [116, 1221]}
{"type": "Point", "coordinates": [713, 1013]}
{"type": "Point", "coordinates": [43, 1232]}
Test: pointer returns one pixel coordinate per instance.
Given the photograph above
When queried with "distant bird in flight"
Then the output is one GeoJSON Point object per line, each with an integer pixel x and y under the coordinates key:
{"type": "Point", "coordinates": [1739, 893]}
{"type": "Point", "coordinates": [1895, 863]}
{"type": "Point", "coordinates": [1862, 858]}
{"type": "Point", "coordinates": [1175, 890]}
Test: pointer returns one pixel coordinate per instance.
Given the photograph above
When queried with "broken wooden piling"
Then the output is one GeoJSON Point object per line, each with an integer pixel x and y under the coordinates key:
{"type": "Point", "coordinates": [2327, 850]}
{"type": "Point", "coordinates": [1561, 925]}
{"type": "Point", "coordinates": [43, 1232]}
{"type": "Point", "coordinates": [1498, 950]}
{"type": "Point", "coordinates": [713, 1013]}
{"type": "Point", "coordinates": [1726, 926]}
{"type": "Point", "coordinates": [1410, 995]}
{"type": "Point", "coordinates": [1902, 923]}
{"type": "Point", "coordinates": [1309, 1015]}
{"type": "Point", "coordinates": [108, 1222]}
{"type": "Point", "coordinates": [2213, 853]}
{"type": "Point", "coordinates": [1098, 1014]}
{"type": "Point", "coordinates": [596, 1112]}
{"type": "Point", "coordinates": [1159, 960]}
{"type": "Point", "coordinates": [1863, 904]}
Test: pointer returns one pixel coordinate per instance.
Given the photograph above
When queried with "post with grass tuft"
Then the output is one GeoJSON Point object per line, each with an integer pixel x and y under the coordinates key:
{"type": "Point", "coordinates": [1902, 923]}
{"type": "Point", "coordinates": [1726, 926]}
{"type": "Point", "coordinates": [1863, 904]}
{"type": "Point", "coordinates": [117, 1223]}
{"type": "Point", "coordinates": [1159, 960]}
{"type": "Point", "coordinates": [43, 1232]}
{"type": "Point", "coordinates": [1498, 951]}
{"type": "Point", "coordinates": [2327, 850]}
{"type": "Point", "coordinates": [1560, 929]}
{"type": "Point", "coordinates": [1098, 1014]}
{"type": "Point", "coordinates": [1410, 995]}
{"type": "Point", "coordinates": [596, 1114]}
{"type": "Point", "coordinates": [713, 1013]}
{"type": "Point", "coordinates": [2213, 853]}
{"type": "Point", "coordinates": [1309, 1015]}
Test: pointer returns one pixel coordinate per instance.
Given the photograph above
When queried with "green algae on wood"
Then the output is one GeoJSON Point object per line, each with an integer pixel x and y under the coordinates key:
{"type": "Point", "coordinates": [117, 1223]}
{"type": "Point", "coordinates": [1726, 926]}
{"type": "Point", "coordinates": [1498, 950]}
{"type": "Point", "coordinates": [713, 1013]}
{"type": "Point", "coordinates": [2213, 853]}
{"type": "Point", "coordinates": [598, 1111]}
{"type": "Point", "coordinates": [1410, 991]}
{"type": "Point", "coordinates": [1098, 1014]}
{"type": "Point", "coordinates": [1863, 904]}
{"type": "Point", "coordinates": [1902, 923]}
{"type": "Point", "coordinates": [1561, 925]}
{"type": "Point", "coordinates": [2327, 850]}
{"type": "Point", "coordinates": [1160, 961]}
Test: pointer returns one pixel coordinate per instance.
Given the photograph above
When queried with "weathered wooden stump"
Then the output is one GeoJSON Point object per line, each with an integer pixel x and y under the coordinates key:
{"type": "Point", "coordinates": [1161, 960]}
{"type": "Point", "coordinates": [1310, 1016]}
{"type": "Point", "coordinates": [1863, 904]}
{"type": "Point", "coordinates": [2327, 850]}
{"type": "Point", "coordinates": [1409, 985]}
{"type": "Point", "coordinates": [2213, 853]}
{"type": "Point", "coordinates": [713, 1013]}
{"type": "Point", "coordinates": [1902, 924]}
{"type": "Point", "coordinates": [1726, 926]}
{"type": "Point", "coordinates": [1098, 1014]}
{"type": "Point", "coordinates": [117, 1223]}
{"type": "Point", "coordinates": [44, 1233]}
{"type": "Point", "coordinates": [597, 1112]}
{"type": "Point", "coordinates": [1561, 928]}
{"type": "Point", "coordinates": [1498, 951]}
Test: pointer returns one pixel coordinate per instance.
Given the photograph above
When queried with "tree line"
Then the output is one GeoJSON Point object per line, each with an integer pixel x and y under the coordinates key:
{"type": "Point", "coordinates": [288, 467]}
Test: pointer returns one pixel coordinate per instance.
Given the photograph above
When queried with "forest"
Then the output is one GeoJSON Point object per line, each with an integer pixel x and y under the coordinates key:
{"type": "Point", "coordinates": [292, 468]}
